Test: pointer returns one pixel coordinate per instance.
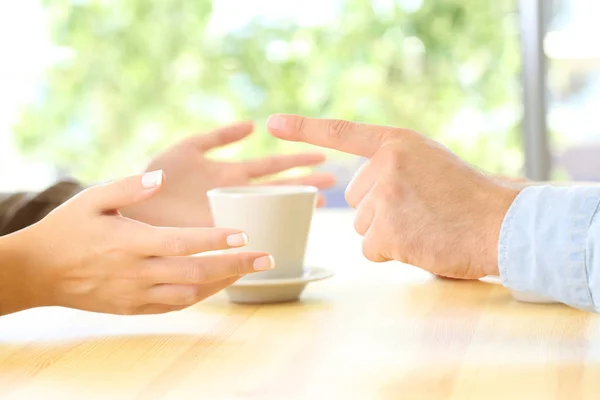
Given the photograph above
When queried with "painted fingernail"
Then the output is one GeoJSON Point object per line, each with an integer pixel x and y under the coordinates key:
{"type": "Point", "coordinates": [276, 122]}
{"type": "Point", "coordinates": [237, 240]}
{"type": "Point", "coordinates": [152, 179]}
{"type": "Point", "coordinates": [264, 263]}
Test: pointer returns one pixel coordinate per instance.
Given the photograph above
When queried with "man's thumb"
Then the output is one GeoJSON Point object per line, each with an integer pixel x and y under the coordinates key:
{"type": "Point", "coordinates": [124, 192]}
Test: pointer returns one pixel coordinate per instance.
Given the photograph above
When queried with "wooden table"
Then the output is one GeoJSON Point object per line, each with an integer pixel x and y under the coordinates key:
{"type": "Point", "coordinates": [385, 331]}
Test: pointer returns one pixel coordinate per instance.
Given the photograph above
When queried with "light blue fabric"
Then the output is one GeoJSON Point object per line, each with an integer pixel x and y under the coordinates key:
{"type": "Point", "coordinates": [550, 245]}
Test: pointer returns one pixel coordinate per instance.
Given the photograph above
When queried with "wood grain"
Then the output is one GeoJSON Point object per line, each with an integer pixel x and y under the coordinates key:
{"type": "Point", "coordinates": [386, 331]}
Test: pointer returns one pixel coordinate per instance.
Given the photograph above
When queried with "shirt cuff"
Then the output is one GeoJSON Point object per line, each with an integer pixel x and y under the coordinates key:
{"type": "Point", "coordinates": [545, 246]}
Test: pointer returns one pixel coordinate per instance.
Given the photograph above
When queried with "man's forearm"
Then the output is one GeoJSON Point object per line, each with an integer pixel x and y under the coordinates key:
{"type": "Point", "coordinates": [550, 244]}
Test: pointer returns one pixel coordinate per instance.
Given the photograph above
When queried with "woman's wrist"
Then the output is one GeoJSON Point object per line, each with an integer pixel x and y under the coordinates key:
{"type": "Point", "coordinates": [18, 281]}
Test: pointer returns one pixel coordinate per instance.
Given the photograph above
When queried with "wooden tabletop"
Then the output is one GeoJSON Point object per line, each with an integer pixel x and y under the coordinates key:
{"type": "Point", "coordinates": [374, 331]}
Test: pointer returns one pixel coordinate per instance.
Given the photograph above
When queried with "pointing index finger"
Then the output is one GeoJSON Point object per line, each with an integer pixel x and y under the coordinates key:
{"type": "Point", "coordinates": [350, 137]}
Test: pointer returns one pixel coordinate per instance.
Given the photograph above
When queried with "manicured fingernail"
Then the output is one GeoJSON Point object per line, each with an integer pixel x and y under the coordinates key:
{"type": "Point", "coordinates": [276, 122]}
{"type": "Point", "coordinates": [264, 263]}
{"type": "Point", "coordinates": [237, 240]}
{"type": "Point", "coordinates": [152, 179]}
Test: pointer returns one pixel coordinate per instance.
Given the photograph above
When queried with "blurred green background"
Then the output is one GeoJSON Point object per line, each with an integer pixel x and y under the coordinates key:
{"type": "Point", "coordinates": [136, 75]}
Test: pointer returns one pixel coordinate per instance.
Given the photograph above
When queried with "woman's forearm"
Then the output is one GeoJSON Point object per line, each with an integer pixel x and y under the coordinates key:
{"type": "Point", "coordinates": [17, 283]}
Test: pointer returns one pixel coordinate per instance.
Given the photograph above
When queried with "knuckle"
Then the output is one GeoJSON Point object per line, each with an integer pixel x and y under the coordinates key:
{"type": "Point", "coordinates": [299, 125]}
{"type": "Point", "coordinates": [243, 265]}
{"type": "Point", "coordinates": [189, 296]}
{"type": "Point", "coordinates": [273, 163]}
{"type": "Point", "coordinates": [369, 251]}
{"type": "Point", "coordinates": [118, 251]}
{"type": "Point", "coordinates": [175, 245]}
{"type": "Point", "coordinates": [212, 239]}
{"type": "Point", "coordinates": [383, 192]}
{"type": "Point", "coordinates": [218, 241]}
{"type": "Point", "coordinates": [134, 274]}
{"type": "Point", "coordinates": [360, 226]}
{"type": "Point", "coordinates": [237, 266]}
{"type": "Point", "coordinates": [392, 156]}
{"type": "Point", "coordinates": [351, 196]}
{"type": "Point", "coordinates": [362, 178]}
{"type": "Point", "coordinates": [195, 273]}
{"type": "Point", "coordinates": [397, 135]}
{"type": "Point", "coordinates": [374, 244]}
{"type": "Point", "coordinates": [337, 129]}
{"type": "Point", "coordinates": [128, 185]}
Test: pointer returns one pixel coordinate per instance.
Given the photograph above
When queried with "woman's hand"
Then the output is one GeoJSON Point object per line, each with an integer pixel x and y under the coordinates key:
{"type": "Point", "coordinates": [86, 255]}
{"type": "Point", "coordinates": [191, 174]}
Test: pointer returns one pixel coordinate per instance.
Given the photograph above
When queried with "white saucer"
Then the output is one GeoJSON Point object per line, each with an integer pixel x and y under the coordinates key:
{"type": "Point", "coordinates": [275, 290]}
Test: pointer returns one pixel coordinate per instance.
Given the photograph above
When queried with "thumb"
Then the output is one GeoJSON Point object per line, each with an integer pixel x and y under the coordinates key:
{"type": "Point", "coordinates": [124, 192]}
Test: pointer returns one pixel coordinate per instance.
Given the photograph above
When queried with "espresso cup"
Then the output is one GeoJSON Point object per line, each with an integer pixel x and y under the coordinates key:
{"type": "Point", "coordinates": [277, 220]}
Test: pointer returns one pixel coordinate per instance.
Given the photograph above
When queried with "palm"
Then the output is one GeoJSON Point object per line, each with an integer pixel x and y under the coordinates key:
{"type": "Point", "coordinates": [189, 175]}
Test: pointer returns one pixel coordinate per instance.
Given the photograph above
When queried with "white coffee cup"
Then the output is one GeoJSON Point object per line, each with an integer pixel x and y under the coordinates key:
{"type": "Point", "coordinates": [277, 220]}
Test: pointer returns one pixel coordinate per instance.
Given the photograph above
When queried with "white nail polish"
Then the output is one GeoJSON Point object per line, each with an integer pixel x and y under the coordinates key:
{"type": "Point", "coordinates": [264, 263]}
{"type": "Point", "coordinates": [152, 179]}
{"type": "Point", "coordinates": [237, 240]}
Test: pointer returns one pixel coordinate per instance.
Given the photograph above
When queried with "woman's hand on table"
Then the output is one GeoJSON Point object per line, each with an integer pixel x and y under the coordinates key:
{"type": "Point", "coordinates": [86, 255]}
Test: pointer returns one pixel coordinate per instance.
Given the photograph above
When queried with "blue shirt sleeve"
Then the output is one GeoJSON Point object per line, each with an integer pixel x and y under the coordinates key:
{"type": "Point", "coordinates": [550, 245]}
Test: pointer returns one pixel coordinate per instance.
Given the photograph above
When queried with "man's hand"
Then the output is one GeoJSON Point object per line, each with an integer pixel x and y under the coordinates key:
{"type": "Point", "coordinates": [417, 202]}
{"type": "Point", "coordinates": [189, 175]}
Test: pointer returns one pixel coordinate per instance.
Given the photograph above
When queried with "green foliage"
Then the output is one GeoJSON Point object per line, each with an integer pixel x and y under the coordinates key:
{"type": "Point", "coordinates": [139, 74]}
